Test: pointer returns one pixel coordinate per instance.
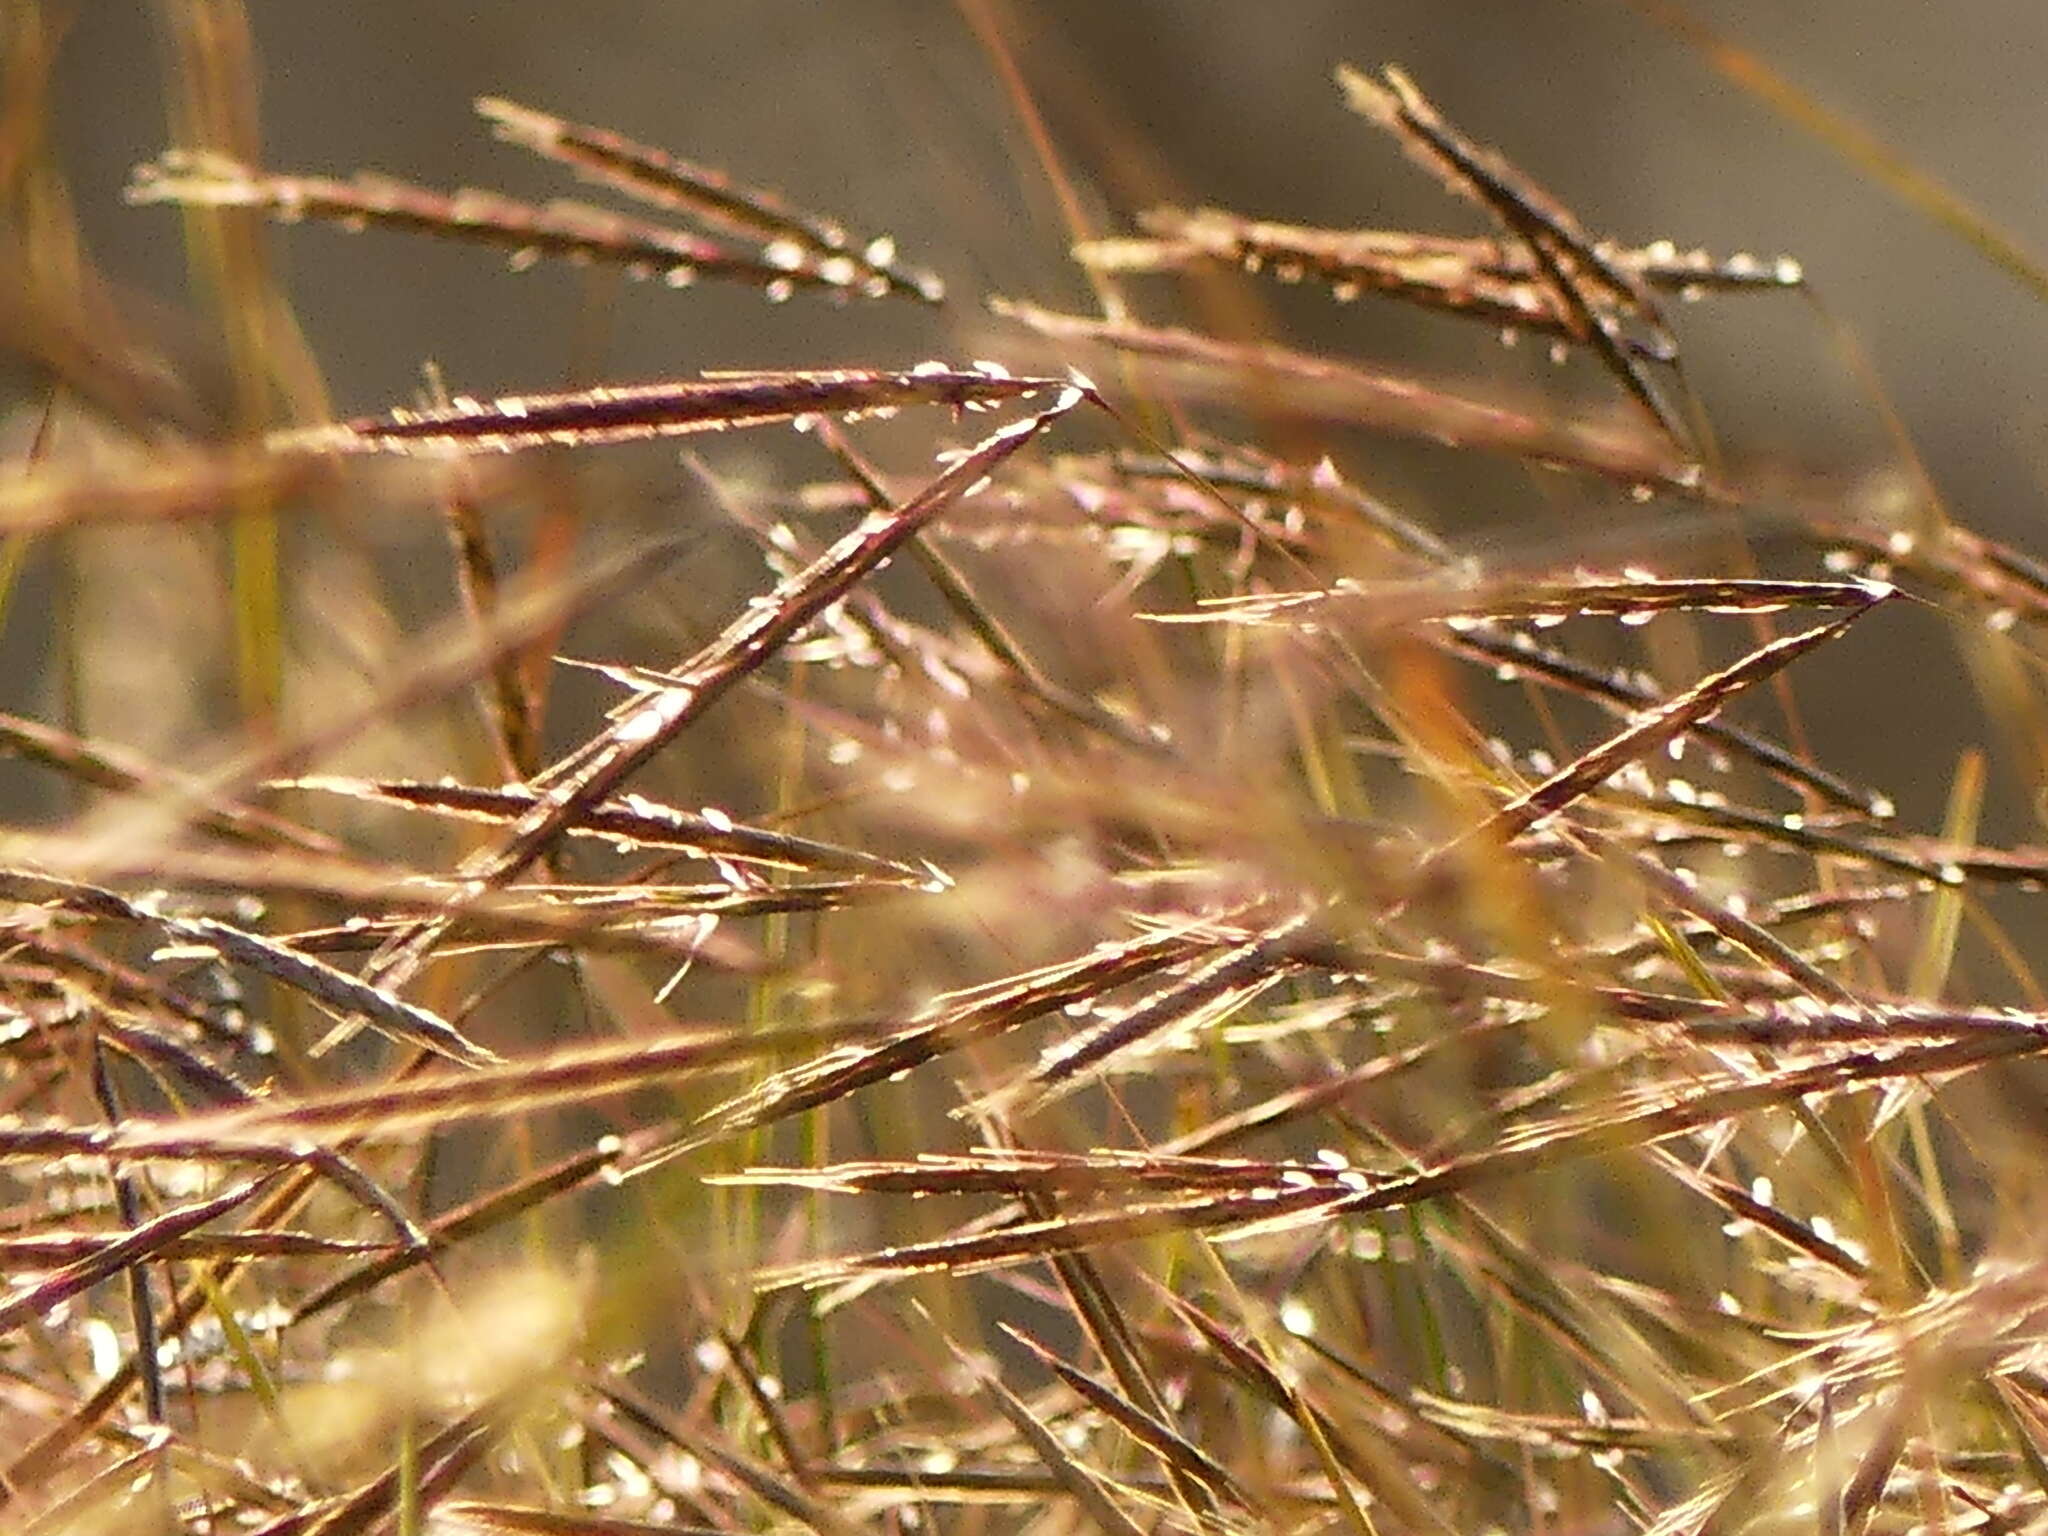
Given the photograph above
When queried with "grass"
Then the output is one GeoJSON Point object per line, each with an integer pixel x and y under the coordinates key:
{"type": "Point", "coordinates": [1118, 978]}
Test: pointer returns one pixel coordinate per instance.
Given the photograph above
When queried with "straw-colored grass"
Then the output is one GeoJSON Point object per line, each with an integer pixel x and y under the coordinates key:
{"type": "Point", "coordinates": [1197, 1002]}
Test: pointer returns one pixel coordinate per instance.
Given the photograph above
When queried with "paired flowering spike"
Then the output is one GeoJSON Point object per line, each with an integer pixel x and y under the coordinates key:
{"type": "Point", "coordinates": [1495, 281]}
{"type": "Point", "coordinates": [796, 241]}
{"type": "Point", "coordinates": [779, 249]}
{"type": "Point", "coordinates": [1590, 292]}
{"type": "Point", "coordinates": [565, 231]}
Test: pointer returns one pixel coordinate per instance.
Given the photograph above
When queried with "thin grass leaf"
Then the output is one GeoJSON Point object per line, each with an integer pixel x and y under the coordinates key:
{"type": "Point", "coordinates": [142, 1242]}
{"type": "Point", "coordinates": [52, 1248]}
{"type": "Point", "coordinates": [514, 700]}
{"type": "Point", "coordinates": [668, 918]}
{"type": "Point", "coordinates": [1743, 1205]}
{"type": "Point", "coordinates": [527, 1520]}
{"type": "Point", "coordinates": [443, 1458]}
{"type": "Point", "coordinates": [142, 1139]}
{"type": "Point", "coordinates": [1079, 1483]}
{"type": "Point", "coordinates": [562, 231]}
{"type": "Point", "coordinates": [622, 413]}
{"type": "Point", "coordinates": [797, 242]}
{"type": "Point", "coordinates": [1588, 291]}
{"type": "Point", "coordinates": [1628, 1118]}
{"type": "Point", "coordinates": [1515, 654]}
{"type": "Point", "coordinates": [1375, 1465]}
{"type": "Point", "coordinates": [972, 1252]}
{"type": "Point", "coordinates": [1226, 982]}
{"type": "Point", "coordinates": [128, 1206]}
{"type": "Point", "coordinates": [345, 994]}
{"type": "Point", "coordinates": [1330, 253]}
{"type": "Point", "coordinates": [632, 822]}
{"type": "Point", "coordinates": [123, 990]}
{"type": "Point", "coordinates": [1931, 860]}
{"type": "Point", "coordinates": [1656, 1113]}
{"type": "Point", "coordinates": [1010, 1171]}
{"type": "Point", "coordinates": [1320, 488]}
{"type": "Point", "coordinates": [1648, 733]}
{"type": "Point", "coordinates": [484, 1214]}
{"type": "Point", "coordinates": [1861, 1495]}
{"type": "Point", "coordinates": [761, 1394]}
{"type": "Point", "coordinates": [680, 930]}
{"type": "Point", "coordinates": [1387, 606]}
{"type": "Point", "coordinates": [1174, 1450]}
{"type": "Point", "coordinates": [1009, 1485]}
{"type": "Point", "coordinates": [1726, 922]}
{"type": "Point", "coordinates": [105, 765]}
{"type": "Point", "coordinates": [767, 1485]}
{"type": "Point", "coordinates": [1555, 1432]}
{"type": "Point", "coordinates": [1491, 281]}
{"type": "Point", "coordinates": [1303, 386]}
{"type": "Point", "coordinates": [1431, 273]}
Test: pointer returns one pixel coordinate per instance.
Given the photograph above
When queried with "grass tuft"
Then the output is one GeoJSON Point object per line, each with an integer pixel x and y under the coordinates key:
{"type": "Point", "coordinates": [1052, 957]}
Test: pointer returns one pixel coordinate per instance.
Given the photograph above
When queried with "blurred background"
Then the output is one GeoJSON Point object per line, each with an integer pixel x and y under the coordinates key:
{"type": "Point", "coordinates": [892, 115]}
